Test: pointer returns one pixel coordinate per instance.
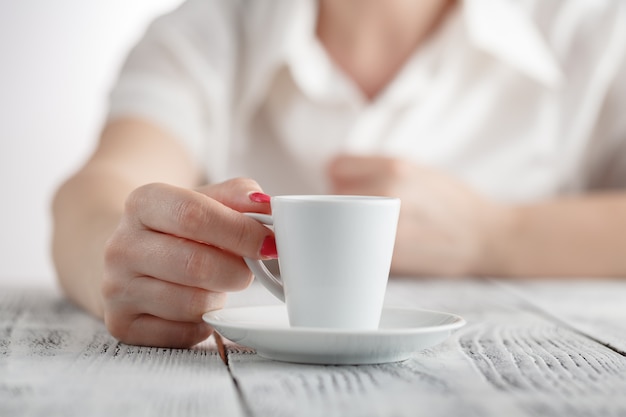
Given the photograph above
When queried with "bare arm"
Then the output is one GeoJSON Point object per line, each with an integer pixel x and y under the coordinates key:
{"type": "Point", "coordinates": [446, 228]}
{"type": "Point", "coordinates": [578, 236]}
{"type": "Point", "coordinates": [89, 205]}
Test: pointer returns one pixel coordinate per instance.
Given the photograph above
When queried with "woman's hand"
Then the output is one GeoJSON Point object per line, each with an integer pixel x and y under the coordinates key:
{"type": "Point", "coordinates": [445, 227]}
{"type": "Point", "coordinates": [175, 254]}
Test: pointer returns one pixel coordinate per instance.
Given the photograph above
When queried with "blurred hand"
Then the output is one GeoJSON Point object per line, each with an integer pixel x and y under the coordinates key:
{"type": "Point", "coordinates": [445, 227]}
{"type": "Point", "coordinates": [174, 255]}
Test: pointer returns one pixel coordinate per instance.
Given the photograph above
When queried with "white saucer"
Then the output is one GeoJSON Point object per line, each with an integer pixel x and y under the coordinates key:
{"type": "Point", "coordinates": [402, 332]}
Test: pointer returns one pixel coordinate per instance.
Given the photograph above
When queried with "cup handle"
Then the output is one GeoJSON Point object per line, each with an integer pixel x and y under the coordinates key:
{"type": "Point", "coordinates": [258, 268]}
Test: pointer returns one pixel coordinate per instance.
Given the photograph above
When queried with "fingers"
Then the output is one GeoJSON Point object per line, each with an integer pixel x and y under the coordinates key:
{"type": "Point", "coordinates": [146, 330]}
{"type": "Point", "coordinates": [236, 194]}
{"type": "Point", "coordinates": [174, 256]}
{"type": "Point", "coordinates": [152, 312]}
{"type": "Point", "coordinates": [195, 216]}
{"type": "Point", "coordinates": [369, 175]}
{"type": "Point", "coordinates": [185, 262]}
{"type": "Point", "coordinates": [173, 302]}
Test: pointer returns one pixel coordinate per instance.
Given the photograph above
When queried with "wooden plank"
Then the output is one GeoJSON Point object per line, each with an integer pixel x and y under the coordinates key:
{"type": "Point", "coordinates": [508, 361]}
{"type": "Point", "coordinates": [57, 360]}
{"type": "Point", "coordinates": [594, 307]}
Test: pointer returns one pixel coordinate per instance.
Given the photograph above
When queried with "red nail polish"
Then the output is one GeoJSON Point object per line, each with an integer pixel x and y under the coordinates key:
{"type": "Point", "coordinates": [259, 197]}
{"type": "Point", "coordinates": [268, 248]}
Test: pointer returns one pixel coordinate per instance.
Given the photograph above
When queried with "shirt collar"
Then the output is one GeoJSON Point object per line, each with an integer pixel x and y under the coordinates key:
{"type": "Point", "coordinates": [286, 36]}
{"type": "Point", "coordinates": [502, 29]}
{"type": "Point", "coordinates": [308, 62]}
{"type": "Point", "coordinates": [266, 33]}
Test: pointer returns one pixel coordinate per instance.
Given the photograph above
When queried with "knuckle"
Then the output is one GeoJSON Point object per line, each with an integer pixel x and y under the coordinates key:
{"type": "Point", "coordinates": [111, 285]}
{"type": "Point", "coordinates": [243, 235]}
{"type": "Point", "coordinates": [117, 326]}
{"type": "Point", "coordinates": [120, 251]}
{"type": "Point", "coordinates": [201, 301]}
{"type": "Point", "coordinates": [240, 232]}
{"type": "Point", "coordinates": [137, 198]}
{"type": "Point", "coordinates": [196, 263]}
{"type": "Point", "coordinates": [195, 303]}
{"type": "Point", "coordinates": [109, 289]}
{"type": "Point", "coordinates": [113, 289]}
{"type": "Point", "coordinates": [191, 214]}
{"type": "Point", "coordinates": [227, 272]}
{"type": "Point", "coordinates": [113, 250]}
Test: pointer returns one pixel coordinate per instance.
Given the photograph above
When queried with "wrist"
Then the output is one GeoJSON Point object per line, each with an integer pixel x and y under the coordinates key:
{"type": "Point", "coordinates": [499, 234]}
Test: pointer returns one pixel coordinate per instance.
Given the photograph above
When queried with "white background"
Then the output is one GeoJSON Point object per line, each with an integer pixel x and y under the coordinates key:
{"type": "Point", "coordinates": [58, 60]}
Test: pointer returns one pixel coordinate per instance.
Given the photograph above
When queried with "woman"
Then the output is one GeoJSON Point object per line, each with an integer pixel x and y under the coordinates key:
{"type": "Point", "coordinates": [497, 123]}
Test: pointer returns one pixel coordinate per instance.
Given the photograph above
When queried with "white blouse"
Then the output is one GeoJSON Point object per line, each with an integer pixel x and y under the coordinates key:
{"type": "Point", "coordinates": [523, 99]}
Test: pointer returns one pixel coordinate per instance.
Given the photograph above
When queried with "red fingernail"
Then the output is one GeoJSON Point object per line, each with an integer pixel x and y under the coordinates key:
{"type": "Point", "coordinates": [268, 248]}
{"type": "Point", "coordinates": [260, 198]}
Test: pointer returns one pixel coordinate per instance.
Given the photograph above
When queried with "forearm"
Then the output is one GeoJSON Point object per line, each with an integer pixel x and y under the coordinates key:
{"type": "Point", "coordinates": [578, 236]}
{"type": "Point", "coordinates": [81, 231]}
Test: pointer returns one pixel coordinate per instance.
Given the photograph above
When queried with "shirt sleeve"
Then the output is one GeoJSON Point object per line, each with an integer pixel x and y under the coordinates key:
{"type": "Point", "coordinates": [178, 73]}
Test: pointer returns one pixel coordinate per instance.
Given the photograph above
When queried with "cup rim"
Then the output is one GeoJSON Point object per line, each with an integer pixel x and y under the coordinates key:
{"type": "Point", "coordinates": [334, 198]}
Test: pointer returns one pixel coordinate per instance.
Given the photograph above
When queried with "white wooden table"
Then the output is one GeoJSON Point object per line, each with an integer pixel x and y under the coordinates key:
{"type": "Point", "coordinates": [531, 348]}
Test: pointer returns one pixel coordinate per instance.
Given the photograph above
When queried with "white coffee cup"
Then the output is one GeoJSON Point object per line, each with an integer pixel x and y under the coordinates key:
{"type": "Point", "coordinates": [334, 254]}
